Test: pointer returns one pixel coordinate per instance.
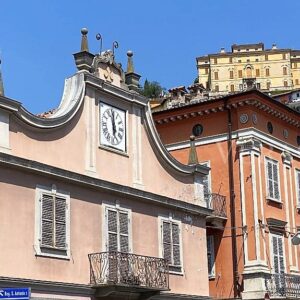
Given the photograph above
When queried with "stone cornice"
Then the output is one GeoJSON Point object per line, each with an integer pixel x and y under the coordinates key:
{"type": "Point", "coordinates": [275, 109]}
{"type": "Point", "coordinates": [99, 184]}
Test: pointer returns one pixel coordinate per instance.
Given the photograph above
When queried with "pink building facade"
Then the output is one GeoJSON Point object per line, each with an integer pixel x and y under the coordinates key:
{"type": "Point", "coordinates": [92, 204]}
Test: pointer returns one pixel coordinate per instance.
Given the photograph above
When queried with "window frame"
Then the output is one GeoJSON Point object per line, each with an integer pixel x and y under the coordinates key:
{"type": "Point", "coordinates": [171, 220]}
{"type": "Point", "coordinates": [44, 190]}
{"type": "Point", "coordinates": [116, 207]}
{"type": "Point", "coordinates": [268, 197]}
{"type": "Point", "coordinates": [210, 238]}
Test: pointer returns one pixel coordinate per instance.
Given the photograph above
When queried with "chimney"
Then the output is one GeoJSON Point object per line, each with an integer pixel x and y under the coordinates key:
{"type": "Point", "coordinates": [84, 58]}
{"type": "Point", "coordinates": [222, 50]}
{"type": "Point", "coordinates": [131, 78]}
{"type": "Point", "coordinates": [274, 47]}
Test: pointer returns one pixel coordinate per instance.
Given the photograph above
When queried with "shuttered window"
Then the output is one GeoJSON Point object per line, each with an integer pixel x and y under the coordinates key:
{"type": "Point", "coordinates": [240, 72]}
{"type": "Point", "coordinates": [171, 244]}
{"type": "Point", "coordinates": [210, 255]}
{"type": "Point", "coordinates": [278, 253]}
{"type": "Point", "coordinates": [117, 221]}
{"type": "Point", "coordinates": [267, 72]}
{"type": "Point", "coordinates": [272, 180]}
{"type": "Point", "coordinates": [298, 187]}
{"type": "Point", "coordinates": [231, 74]}
{"type": "Point", "coordinates": [53, 229]}
{"type": "Point", "coordinates": [257, 72]}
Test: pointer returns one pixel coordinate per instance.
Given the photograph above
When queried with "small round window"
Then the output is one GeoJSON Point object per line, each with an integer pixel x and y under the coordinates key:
{"type": "Point", "coordinates": [197, 130]}
{"type": "Point", "coordinates": [270, 127]}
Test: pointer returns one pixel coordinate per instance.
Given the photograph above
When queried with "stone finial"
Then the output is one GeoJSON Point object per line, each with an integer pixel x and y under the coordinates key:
{"type": "Point", "coordinates": [130, 67]}
{"type": "Point", "coordinates": [131, 78]}
{"type": "Point", "coordinates": [193, 158]}
{"type": "Point", "coordinates": [1, 83]}
{"type": "Point", "coordinates": [84, 58]}
{"type": "Point", "coordinates": [84, 40]}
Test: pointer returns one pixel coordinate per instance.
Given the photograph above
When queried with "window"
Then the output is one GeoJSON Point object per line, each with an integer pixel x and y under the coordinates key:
{"type": "Point", "coordinates": [266, 57]}
{"type": "Point", "coordinates": [284, 70]}
{"type": "Point", "coordinates": [277, 251]}
{"type": "Point", "coordinates": [239, 60]}
{"type": "Point", "coordinates": [117, 229]}
{"type": "Point", "coordinates": [268, 85]}
{"type": "Point", "coordinates": [248, 60]}
{"type": "Point", "coordinates": [295, 65]}
{"type": "Point", "coordinates": [232, 88]}
{"type": "Point", "coordinates": [298, 187]}
{"type": "Point", "coordinates": [268, 72]}
{"type": "Point", "coordinates": [170, 237]}
{"type": "Point", "coordinates": [231, 74]}
{"type": "Point", "coordinates": [256, 59]}
{"type": "Point", "coordinates": [215, 61]}
{"type": "Point", "coordinates": [52, 222]}
{"type": "Point", "coordinates": [230, 60]}
{"type": "Point", "coordinates": [217, 88]}
{"type": "Point", "coordinates": [206, 70]}
{"type": "Point", "coordinates": [240, 73]}
{"type": "Point", "coordinates": [210, 256]}
{"type": "Point", "coordinates": [283, 56]}
{"type": "Point", "coordinates": [258, 86]}
{"type": "Point", "coordinates": [272, 173]}
{"type": "Point", "coordinates": [257, 72]}
{"type": "Point", "coordinates": [285, 83]}
{"type": "Point", "coordinates": [297, 81]}
{"type": "Point", "coordinates": [216, 75]}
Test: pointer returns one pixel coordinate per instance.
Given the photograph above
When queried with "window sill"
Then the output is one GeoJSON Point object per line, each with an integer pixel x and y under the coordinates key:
{"type": "Point", "coordinates": [211, 277]}
{"type": "Point", "coordinates": [62, 257]}
{"type": "Point", "coordinates": [269, 199]}
{"type": "Point", "coordinates": [179, 273]}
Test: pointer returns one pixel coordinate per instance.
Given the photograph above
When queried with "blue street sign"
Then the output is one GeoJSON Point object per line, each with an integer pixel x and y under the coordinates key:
{"type": "Point", "coordinates": [15, 293]}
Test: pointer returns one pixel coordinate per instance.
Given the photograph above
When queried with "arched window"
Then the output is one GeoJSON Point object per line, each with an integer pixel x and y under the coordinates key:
{"type": "Point", "coordinates": [249, 72]}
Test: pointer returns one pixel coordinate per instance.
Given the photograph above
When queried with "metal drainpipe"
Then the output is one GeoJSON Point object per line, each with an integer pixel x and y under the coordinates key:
{"type": "Point", "coordinates": [232, 204]}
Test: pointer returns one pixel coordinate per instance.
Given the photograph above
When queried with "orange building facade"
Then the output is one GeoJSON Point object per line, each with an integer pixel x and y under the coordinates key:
{"type": "Point", "coordinates": [251, 143]}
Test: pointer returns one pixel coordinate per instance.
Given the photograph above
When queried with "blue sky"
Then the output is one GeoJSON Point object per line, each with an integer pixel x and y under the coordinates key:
{"type": "Point", "coordinates": [38, 38]}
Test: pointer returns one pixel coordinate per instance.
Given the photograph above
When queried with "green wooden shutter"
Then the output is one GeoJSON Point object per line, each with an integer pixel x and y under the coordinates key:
{"type": "Point", "coordinates": [47, 230]}
{"type": "Point", "coordinates": [60, 222]}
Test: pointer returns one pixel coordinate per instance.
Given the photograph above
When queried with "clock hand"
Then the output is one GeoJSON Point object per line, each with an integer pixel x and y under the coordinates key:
{"type": "Point", "coordinates": [113, 123]}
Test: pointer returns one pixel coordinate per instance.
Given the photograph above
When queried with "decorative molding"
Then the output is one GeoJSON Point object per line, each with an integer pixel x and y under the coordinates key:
{"type": "Point", "coordinates": [287, 158]}
{"type": "Point", "coordinates": [248, 144]}
{"type": "Point", "coordinates": [99, 184]}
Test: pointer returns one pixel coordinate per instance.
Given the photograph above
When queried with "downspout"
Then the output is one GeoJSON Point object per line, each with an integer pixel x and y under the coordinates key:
{"type": "Point", "coordinates": [236, 285]}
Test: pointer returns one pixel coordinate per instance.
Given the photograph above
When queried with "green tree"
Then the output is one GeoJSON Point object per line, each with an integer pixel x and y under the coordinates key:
{"type": "Point", "coordinates": [152, 89]}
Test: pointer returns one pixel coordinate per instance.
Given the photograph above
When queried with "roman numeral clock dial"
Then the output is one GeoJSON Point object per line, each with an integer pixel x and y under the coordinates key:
{"type": "Point", "coordinates": [112, 127]}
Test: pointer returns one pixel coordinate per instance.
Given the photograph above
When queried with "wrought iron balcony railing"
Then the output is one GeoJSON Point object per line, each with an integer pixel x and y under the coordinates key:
{"type": "Point", "coordinates": [217, 202]}
{"type": "Point", "coordinates": [126, 269]}
{"type": "Point", "coordinates": [283, 285]}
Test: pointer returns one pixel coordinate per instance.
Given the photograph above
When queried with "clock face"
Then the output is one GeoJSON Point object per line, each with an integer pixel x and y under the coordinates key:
{"type": "Point", "coordinates": [112, 127]}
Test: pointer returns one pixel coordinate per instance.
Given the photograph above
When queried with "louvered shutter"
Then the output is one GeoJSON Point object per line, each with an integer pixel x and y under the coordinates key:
{"type": "Point", "coordinates": [112, 227]}
{"type": "Point", "coordinates": [166, 234]}
{"type": "Point", "coordinates": [275, 177]}
{"type": "Point", "coordinates": [60, 222]}
{"type": "Point", "coordinates": [176, 244]}
{"type": "Point", "coordinates": [210, 255]}
{"type": "Point", "coordinates": [275, 254]}
{"type": "Point", "coordinates": [270, 179]}
{"type": "Point", "coordinates": [298, 187]}
{"type": "Point", "coordinates": [47, 231]}
{"type": "Point", "coordinates": [124, 234]}
{"type": "Point", "coordinates": [280, 254]}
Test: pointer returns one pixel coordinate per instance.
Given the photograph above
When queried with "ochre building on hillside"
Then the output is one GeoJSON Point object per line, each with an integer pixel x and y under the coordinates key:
{"type": "Point", "coordinates": [250, 64]}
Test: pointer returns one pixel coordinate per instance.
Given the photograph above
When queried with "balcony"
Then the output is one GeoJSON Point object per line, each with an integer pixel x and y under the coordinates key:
{"type": "Point", "coordinates": [117, 273]}
{"type": "Point", "coordinates": [217, 202]}
{"type": "Point", "coordinates": [283, 285]}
